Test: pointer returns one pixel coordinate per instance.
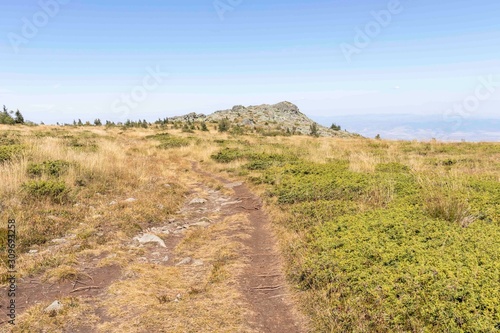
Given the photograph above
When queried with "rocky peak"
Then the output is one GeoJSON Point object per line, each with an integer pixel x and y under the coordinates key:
{"type": "Point", "coordinates": [283, 116]}
{"type": "Point", "coordinates": [286, 107]}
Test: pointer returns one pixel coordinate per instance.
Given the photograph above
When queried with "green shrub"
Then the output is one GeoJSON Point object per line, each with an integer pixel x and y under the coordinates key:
{"type": "Point", "coordinates": [227, 155]}
{"type": "Point", "coordinates": [237, 130]}
{"type": "Point", "coordinates": [306, 215]}
{"type": "Point", "coordinates": [83, 144]}
{"type": "Point", "coordinates": [258, 165]}
{"type": "Point", "coordinates": [397, 270]}
{"type": "Point", "coordinates": [55, 190]}
{"type": "Point", "coordinates": [224, 125]}
{"type": "Point", "coordinates": [49, 168]}
{"type": "Point", "coordinates": [8, 152]}
{"type": "Point", "coordinates": [168, 141]}
{"type": "Point", "coordinates": [35, 169]}
{"type": "Point", "coordinates": [159, 136]}
{"type": "Point", "coordinates": [174, 142]}
{"type": "Point", "coordinates": [6, 140]}
{"type": "Point", "coordinates": [187, 129]}
{"type": "Point", "coordinates": [311, 182]}
{"type": "Point", "coordinates": [376, 252]}
{"type": "Point", "coordinates": [392, 168]}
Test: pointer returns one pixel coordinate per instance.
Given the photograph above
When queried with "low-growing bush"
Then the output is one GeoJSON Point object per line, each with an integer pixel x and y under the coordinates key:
{"type": "Point", "coordinates": [49, 168]}
{"type": "Point", "coordinates": [52, 189]}
{"type": "Point", "coordinates": [258, 165]}
{"type": "Point", "coordinates": [7, 140]}
{"type": "Point", "coordinates": [313, 182]}
{"type": "Point", "coordinates": [227, 155]}
{"type": "Point", "coordinates": [8, 152]}
{"type": "Point", "coordinates": [83, 144]}
{"type": "Point", "coordinates": [392, 167]}
{"type": "Point", "coordinates": [174, 142]}
{"type": "Point", "coordinates": [386, 251]}
{"type": "Point", "coordinates": [168, 141]}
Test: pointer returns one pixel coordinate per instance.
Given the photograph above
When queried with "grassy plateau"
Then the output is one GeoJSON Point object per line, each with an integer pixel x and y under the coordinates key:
{"type": "Point", "coordinates": [377, 236]}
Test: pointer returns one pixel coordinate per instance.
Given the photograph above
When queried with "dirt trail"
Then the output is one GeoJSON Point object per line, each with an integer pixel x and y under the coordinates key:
{"type": "Point", "coordinates": [262, 283]}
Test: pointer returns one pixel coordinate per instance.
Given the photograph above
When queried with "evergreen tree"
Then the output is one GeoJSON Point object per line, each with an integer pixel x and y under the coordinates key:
{"type": "Point", "coordinates": [19, 119]}
{"type": "Point", "coordinates": [224, 125]}
{"type": "Point", "coordinates": [204, 127]}
{"type": "Point", "coordinates": [314, 130]}
{"type": "Point", "coordinates": [5, 117]}
{"type": "Point", "coordinates": [335, 127]}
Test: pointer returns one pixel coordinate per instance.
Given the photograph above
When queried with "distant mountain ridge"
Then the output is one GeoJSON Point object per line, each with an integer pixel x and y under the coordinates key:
{"type": "Point", "coordinates": [284, 116]}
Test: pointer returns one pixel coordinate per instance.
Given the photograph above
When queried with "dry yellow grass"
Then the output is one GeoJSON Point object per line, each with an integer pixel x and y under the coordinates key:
{"type": "Point", "coordinates": [108, 166]}
{"type": "Point", "coordinates": [119, 166]}
{"type": "Point", "coordinates": [96, 222]}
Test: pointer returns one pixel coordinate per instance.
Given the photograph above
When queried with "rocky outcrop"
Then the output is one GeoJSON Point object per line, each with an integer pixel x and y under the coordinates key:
{"type": "Point", "coordinates": [283, 116]}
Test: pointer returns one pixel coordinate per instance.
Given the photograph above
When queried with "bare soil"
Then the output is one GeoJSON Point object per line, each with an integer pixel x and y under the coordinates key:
{"type": "Point", "coordinates": [262, 282]}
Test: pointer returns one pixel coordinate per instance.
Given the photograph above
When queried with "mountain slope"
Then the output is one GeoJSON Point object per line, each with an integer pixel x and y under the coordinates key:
{"type": "Point", "coordinates": [281, 116]}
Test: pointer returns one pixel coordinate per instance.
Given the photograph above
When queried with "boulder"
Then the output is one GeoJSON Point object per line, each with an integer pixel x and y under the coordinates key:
{"type": "Point", "coordinates": [150, 238]}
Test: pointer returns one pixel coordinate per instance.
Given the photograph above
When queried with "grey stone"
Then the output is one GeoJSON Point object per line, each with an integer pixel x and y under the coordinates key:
{"type": "Point", "coordinates": [233, 185]}
{"type": "Point", "coordinates": [201, 224]}
{"type": "Point", "coordinates": [248, 122]}
{"type": "Point", "coordinates": [129, 200]}
{"type": "Point", "coordinates": [185, 261]}
{"type": "Point", "coordinates": [197, 262]}
{"type": "Point", "coordinates": [55, 307]}
{"type": "Point", "coordinates": [197, 201]}
{"type": "Point", "coordinates": [150, 238]}
{"type": "Point", "coordinates": [231, 203]}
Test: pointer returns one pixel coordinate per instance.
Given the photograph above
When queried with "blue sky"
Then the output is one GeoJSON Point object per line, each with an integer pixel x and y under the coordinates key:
{"type": "Point", "coordinates": [424, 58]}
